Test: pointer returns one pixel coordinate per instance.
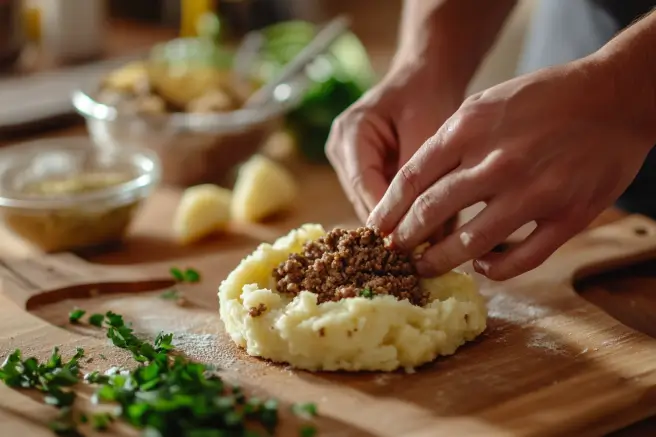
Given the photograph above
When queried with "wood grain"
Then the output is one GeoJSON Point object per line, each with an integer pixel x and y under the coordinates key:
{"type": "Point", "coordinates": [550, 363]}
{"type": "Point", "coordinates": [521, 353]}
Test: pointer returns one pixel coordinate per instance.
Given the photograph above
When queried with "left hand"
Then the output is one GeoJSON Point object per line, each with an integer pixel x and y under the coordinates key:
{"type": "Point", "coordinates": [556, 147]}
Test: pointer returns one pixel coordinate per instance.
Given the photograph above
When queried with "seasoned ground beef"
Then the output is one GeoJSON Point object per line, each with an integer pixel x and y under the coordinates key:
{"type": "Point", "coordinates": [350, 263]}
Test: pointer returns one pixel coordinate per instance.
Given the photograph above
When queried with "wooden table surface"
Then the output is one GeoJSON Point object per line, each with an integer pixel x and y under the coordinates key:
{"type": "Point", "coordinates": [616, 292]}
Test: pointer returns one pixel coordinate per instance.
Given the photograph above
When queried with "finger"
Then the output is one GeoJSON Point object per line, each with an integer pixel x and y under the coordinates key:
{"type": "Point", "coordinates": [433, 208]}
{"type": "Point", "coordinates": [358, 145]}
{"type": "Point", "coordinates": [476, 238]}
{"type": "Point", "coordinates": [529, 254]}
{"type": "Point", "coordinates": [445, 230]}
{"type": "Point", "coordinates": [434, 159]}
{"type": "Point", "coordinates": [365, 157]}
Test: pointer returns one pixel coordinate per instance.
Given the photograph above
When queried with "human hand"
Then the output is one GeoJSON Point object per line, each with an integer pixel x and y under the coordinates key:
{"type": "Point", "coordinates": [555, 147]}
{"type": "Point", "coordinates": [371, 140]}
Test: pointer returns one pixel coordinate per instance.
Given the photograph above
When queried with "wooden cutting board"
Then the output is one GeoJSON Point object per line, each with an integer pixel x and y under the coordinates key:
{"type": "Point", "coordinates": [549, 364]}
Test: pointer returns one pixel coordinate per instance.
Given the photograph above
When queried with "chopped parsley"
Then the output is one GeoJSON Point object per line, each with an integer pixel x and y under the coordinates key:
{"type": "Point", "coordinates": [306, 411]}
{"type": "Point", "coordinates": [171, 294]}
{"type": "Point", "coordinates": [192, 276]}
{"type": "Point", "coordinates": [53, 378]}
{"type": "Point", "coordinates": [189, 275]}
{"type": "Point", "coordinates": [97, 320]}
{"type": "Point", "coordinates": [166, 395]}
{"type": "Point", "coordinates": [307, 431]}
{"type": "Point", "coordinates": [367, 293]}
{"type": "Point", "coordinates": [177, 274]}
{"type": "Point", "coordinates": [75, 315]}
{"type": "Point", "coordinates": [181, 276]}
{"type": "Point", "coordinates": [101, 421]}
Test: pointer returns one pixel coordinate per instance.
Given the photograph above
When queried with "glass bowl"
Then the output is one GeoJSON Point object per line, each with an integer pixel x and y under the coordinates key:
{"type": "Point", "coordinates": [65, 194]}
{"type": "Point", "coordinates": [193, 148]}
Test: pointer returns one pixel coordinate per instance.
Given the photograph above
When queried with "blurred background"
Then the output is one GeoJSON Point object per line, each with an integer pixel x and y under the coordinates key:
{"type": "Point", "coordinates": [173, 75]}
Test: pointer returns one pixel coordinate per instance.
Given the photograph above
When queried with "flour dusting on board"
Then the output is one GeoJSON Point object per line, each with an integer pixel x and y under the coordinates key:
{"type": "Point", "coordinates": [513, 310]}
{"type": "Point", "coordinates": [543, 340]}
{"type": "Point", "coordinates": [205, 348]}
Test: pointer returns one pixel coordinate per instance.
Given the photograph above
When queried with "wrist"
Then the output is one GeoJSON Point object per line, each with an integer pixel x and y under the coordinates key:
{"type": "Point", "coordinates": [628, 66]}
{"type": "Point", "coordinates": [423, 82]}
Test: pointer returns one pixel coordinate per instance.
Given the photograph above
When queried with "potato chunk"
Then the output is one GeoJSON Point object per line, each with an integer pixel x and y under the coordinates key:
{"type": "Point", "coordinates": [202, 211]}
{"type": "Point", "coordinates": [263, 188]}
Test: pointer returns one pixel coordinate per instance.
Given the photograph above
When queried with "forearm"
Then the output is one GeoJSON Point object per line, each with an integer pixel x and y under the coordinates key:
{"type": "Point", "coordinates": [449, 38]}
{"type": "Point", "coordinates": [630, 62]}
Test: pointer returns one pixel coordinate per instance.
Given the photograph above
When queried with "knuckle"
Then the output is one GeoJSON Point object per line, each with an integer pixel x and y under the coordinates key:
{"type": "Point", "coordinates": [473, 99]}
{"type": "Point", "coordinates": [409, 178]}
{"type": "Point", "coordinates": [422, 208]}
{"type": "Point", "coordinates": [508, 162]}
{"type": "Point", "coordinates": [477, 241]}
{"type": "Point", "coordinates": [352, 119]}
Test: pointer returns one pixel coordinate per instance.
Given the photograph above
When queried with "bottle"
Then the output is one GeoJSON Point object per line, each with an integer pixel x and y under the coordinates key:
{"type": "Point", "coordinates": [72, 30]}
{"type": "Point", "coordinates": [191, 12]}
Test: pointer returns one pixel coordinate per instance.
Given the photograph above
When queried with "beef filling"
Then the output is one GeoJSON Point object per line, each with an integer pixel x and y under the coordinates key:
{"type": "Point", "coordinates": [350, 263]}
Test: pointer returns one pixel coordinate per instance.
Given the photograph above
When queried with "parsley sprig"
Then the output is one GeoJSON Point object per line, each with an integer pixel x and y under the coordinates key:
{"type": "Point", "coordinates": [166, 395]}
{"type": "Point", "coordinates": [367, 293]}
{"type": "Point", "coordinates": [180, 276]}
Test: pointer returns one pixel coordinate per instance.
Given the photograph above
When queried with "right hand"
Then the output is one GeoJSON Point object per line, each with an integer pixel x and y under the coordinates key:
{"type": "Point", "coordinates": [379, 133]}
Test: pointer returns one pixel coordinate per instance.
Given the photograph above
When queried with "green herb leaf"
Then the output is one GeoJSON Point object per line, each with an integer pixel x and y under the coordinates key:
{"type": "Point", "coordinates": [307, 410]}
{"type": "Point", "coordinates": [163, 342]}
{"type": "Point", "coordinates": [167, 395]}
{"type": "Point", "coordinates": [96, 378]}
{"type": "Point", "coordinates": [114, 320]}
{"type": "Point", "coordinates": [191, 275]}
{"type": "Point", "coordinates": [171, 294]}
{"type": "Point", "coordinates": [367, 293]}
{"type": "Point", "coordinates": [75, 315]}
{"type": "Point", "coordinates": [96, 320]}
{"type": "Point", "coordinates": [101, 421]}
{"type": "Point", "coordinates": [177, 274]}
{"type": "Point", "coordinates": [64, 424]}
{"type": "Point", "coordinates": [307, 431]}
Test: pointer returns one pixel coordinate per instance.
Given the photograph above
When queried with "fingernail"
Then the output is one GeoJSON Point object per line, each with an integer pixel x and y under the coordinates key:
{"type": "Point", "coordinates": [480, 267]}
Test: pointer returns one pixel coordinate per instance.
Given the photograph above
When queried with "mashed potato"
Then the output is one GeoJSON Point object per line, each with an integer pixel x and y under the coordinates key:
{"type": "Point", "coordinates": [354, 334]}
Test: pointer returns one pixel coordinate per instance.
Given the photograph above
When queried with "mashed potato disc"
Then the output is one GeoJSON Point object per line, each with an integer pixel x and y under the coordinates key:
{"type": "Point", "coordinates": [354, 334]}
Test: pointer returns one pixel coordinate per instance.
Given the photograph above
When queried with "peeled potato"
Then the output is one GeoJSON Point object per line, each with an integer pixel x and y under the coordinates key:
{"type": "Point", "coordinates": [263, 188]}
{"type": "Point", "coordinates": [203, 210]}
{"type": "Point", "coordinates": [183, 84]}
{"type": "Point", "coordinates": [127, 79]}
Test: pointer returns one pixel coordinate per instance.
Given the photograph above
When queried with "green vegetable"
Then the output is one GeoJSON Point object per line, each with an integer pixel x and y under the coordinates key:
{"type": "Point", "coordinates": [96, 320]}
{"type": "Point", "coordinates": [367, 293]}
{"type": "Point", "coordinates": [307, 431]}
{"type": "Point", "coordinates": [101, 421]}
{"type": "Point", "coordinates": [75, 315]}
{"type": "Point", "coordinates": [64, 424]}
{"type": "Point", "coordinates": [51, 378]}
{"type": "Point", "coordinates": [177, 274]}
{"type": "Point", "coordinates": [96, 378]}
{"type": "Point", "coordinates": [191, 275]}
{"type": "Point", "coordinates": [338, 78]}
{"type": "Point", "coordinates": [306, 411]}
{"type": "Point", "coordinates": [166, 395]}
{"type": "Point", "coordinates": [171, 294]}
